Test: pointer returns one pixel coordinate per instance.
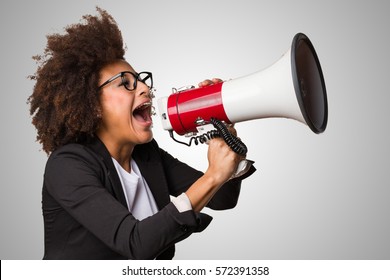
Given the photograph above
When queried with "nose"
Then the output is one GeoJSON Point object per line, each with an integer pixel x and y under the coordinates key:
{"type": "Point", "coordinates": [142, 89]}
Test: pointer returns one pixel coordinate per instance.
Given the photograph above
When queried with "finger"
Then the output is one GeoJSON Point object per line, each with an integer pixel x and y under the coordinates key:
{"type": "Point", "coordinates": [230, 124]}
{"type": "Point", "coordinates": [216, 80]}
{"type": "Point", "coordinates": [205, 83]}
{"type": "Point", "coordinates": [209, 82]}
{"type": "Point", "coordinates": [232, 130]}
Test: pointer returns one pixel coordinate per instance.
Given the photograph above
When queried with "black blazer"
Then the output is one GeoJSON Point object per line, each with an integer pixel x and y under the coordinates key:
{"type": "Point", "coordinates": [85, 211]}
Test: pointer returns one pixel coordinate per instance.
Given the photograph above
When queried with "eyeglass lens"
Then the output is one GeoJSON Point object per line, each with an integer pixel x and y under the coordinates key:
{"type": "Point", "coordinates": [130, 82]}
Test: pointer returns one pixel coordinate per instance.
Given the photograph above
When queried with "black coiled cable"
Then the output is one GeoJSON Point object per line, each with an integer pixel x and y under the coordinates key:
{"type": "Point", "coordinates": [221, 131]}
{"type": "Point", "coordinates": [231, 140]}
{"type": "Point", "coordinates": [203, 138]}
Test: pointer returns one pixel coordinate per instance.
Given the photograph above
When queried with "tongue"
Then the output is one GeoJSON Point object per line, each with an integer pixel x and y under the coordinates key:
{"type": "Point", "coordinates": [142, 116]}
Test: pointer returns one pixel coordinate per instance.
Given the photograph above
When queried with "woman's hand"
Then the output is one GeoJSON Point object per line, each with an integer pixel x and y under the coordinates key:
{"type": "Point", "coordinates": [223, 161]}
{"type": "Point", "coordinates": [209, 82]}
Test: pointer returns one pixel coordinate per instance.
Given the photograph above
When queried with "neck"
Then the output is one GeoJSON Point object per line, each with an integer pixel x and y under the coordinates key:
{"type": "Point", "coordinates": [119, 151]}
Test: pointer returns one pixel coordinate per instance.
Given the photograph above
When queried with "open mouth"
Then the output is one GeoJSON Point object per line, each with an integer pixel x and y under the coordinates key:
{"type": "Point", "coordinates": [143, 112]}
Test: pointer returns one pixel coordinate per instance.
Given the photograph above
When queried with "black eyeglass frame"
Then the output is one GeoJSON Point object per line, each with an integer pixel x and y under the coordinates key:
{"type": "Point", "coordinates": [136, 78]}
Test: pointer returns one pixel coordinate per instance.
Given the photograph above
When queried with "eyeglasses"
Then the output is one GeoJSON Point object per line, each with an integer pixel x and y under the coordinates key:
{"type": "Point", "coordinates": [129, 79]}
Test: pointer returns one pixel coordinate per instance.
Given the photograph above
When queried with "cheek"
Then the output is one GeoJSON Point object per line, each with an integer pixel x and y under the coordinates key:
{"type": "Point", "coordinates": [115, 106]}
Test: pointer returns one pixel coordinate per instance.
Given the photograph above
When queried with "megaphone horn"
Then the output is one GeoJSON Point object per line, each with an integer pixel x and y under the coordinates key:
{"type": "Point", "coordinates": [293, 87]}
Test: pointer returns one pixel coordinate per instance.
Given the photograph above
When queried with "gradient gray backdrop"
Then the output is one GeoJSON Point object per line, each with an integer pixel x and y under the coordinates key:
{"type": "Point", "coordinates": [314, 196]}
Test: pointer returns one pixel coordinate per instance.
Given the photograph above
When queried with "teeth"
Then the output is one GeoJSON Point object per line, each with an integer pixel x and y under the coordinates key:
{"type": "Point", "coordinates": [146, 104]}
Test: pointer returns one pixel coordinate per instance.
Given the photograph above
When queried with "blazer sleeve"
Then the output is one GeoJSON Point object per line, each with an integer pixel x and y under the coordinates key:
{"type": "Point", "coordinates": [181, 176]}
{"type": "Point", "coordinates": [74, 178]}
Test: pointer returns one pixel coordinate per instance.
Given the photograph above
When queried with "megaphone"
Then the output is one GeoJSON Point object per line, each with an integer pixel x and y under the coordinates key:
{"type": "Point", "coordinates": [293, 88]}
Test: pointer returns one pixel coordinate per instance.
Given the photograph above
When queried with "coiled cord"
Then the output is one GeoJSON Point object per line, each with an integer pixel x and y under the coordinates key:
{"type": "Point", "coordinates": [205, 137]}
{"type": "Point", "coordinates": [221, 131]}
{"type": "Point", "coordinates": [231, 140]}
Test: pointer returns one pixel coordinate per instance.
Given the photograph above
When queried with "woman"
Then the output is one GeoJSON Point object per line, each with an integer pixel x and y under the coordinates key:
{"type": "Point", "coordinates": [107, 184]}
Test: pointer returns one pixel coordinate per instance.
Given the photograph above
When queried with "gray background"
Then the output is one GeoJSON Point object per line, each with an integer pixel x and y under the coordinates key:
{"type": "Point", "coordinates": [314, 196]}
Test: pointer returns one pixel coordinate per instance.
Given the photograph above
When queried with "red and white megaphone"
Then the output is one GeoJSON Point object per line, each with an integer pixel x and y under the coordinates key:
{"type": "Point", "coordinates": [293, 88]}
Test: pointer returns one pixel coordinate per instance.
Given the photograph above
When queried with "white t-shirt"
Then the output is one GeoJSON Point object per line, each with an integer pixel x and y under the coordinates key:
{"type": "Point", "coordinates": [140, 200]}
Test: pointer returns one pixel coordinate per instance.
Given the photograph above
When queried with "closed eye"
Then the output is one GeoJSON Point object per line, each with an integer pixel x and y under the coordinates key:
{"type": "Point", "coordinates": [125, 82]}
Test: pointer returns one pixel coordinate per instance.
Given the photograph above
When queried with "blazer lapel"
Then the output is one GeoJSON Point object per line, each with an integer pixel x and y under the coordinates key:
{"type": "Point", "coordinates": [152, 170]}
{"type": "Point", "coordinates": [115, 186]}
{"type": "Point", "coordinates": [149, 164]}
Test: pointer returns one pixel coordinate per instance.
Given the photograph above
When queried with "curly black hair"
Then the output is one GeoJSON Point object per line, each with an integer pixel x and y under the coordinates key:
{"type": "Point", "coordinates": [65, 104]}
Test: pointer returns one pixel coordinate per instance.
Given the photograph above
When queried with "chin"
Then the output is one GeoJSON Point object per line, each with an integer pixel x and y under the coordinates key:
{"type": "Point", "coordinates": [147, 139]}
